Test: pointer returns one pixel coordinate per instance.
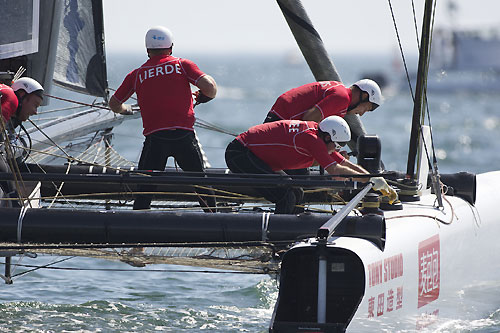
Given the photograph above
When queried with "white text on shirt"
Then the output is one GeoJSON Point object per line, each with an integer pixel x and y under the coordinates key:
{"type": "Point", "coordinates": [159, 70]}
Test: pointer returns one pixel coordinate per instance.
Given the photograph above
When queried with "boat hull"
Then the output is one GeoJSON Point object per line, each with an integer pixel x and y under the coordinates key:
{"type": "Point", "coordinates": [432, 259]}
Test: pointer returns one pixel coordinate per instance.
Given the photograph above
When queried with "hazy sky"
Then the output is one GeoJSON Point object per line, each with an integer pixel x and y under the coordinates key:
{"type": "Point", "coordinates": [258, 25]}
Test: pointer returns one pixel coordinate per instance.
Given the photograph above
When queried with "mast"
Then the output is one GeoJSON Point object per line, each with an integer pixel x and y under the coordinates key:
{"type": "Point", "coordinates": [313, 50]}
{"type": "Point", "coordinates": [420, 102]}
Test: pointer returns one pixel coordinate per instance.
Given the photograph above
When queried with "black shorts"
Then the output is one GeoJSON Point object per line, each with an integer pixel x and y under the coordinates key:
{"type": "Point", "coordinates": [240, 159]}
{"type": "Point", "coordinates": [158, 147]}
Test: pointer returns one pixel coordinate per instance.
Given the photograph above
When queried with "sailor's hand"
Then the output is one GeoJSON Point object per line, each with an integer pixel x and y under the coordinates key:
{"type": "Point", "coordinates": [379, 184]}
{"type": "Point", "coordinates": [201, 97]}
{"type": "Point", "coordinates": [344, 154]}
{"type": "Point", "coordinates": [126, 110]}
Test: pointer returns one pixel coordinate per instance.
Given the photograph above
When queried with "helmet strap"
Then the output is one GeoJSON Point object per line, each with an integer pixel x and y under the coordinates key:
{"type": "Point", "coordinates": [351, 107]}
{"type": "Point", "coordinates": [20, 100]}
{"type": "Point", "coordinates": [323, 135]}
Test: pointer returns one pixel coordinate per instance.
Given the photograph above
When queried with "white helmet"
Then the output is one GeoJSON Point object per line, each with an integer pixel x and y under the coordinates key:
{"type": "Point", "coordinates": [29, 85]}
{"type": "Point", "coordinates": [371, 87]}
{"type": "Point", "coordinates": [337, 127]}
{"type": "Point", "coordinates": [159, 38]}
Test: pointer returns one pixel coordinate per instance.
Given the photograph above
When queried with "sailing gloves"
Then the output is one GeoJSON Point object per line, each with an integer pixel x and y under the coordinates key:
{"type": "Point", "coordinates": [202, 98]}
{"type": "Point", "coordinates": [379, 184]}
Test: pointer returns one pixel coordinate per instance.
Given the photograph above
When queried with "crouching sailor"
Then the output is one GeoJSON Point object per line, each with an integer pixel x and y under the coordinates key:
{"type": "Point", "coordinates": [292, 144]}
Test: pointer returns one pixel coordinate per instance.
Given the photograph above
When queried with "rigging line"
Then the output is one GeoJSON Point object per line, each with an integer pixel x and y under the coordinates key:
{"type": "Point", "coordinates": [234, 194]}
{"type": "Point", "coordinates": [451, 207]}
{"type": "Point", "coordinates": [91, 143]}
{"type": "Point", "coordinates": [22, 213]}
{"type": "Point", "coordinates": [74, 159]}
{"type": "Point", "coordinates": [434, 159]}
{"type": "Point", "coordinates": [96, 155]}
{"type": "Point", "coordinates": [80, 103]}
{"type": "Point", "coordinates": [415, 23]}
{"type": "Point", "coordinates": [24, 143]}
{"type": "Point", "coordinates": [131, 270]}
{"type": "Point", "coordinates": [64, 118]}
{"type": "Point", "coordinates": [401, 51]}
{"type": "Point", "coordinates": [419, 215]}
{"type": "Point", "coordinates": [238, 244]}
{"type": "Point", "coordinates": [10, 158]}
{"type": "Point", "coordinates": [50, 139]}
{"type": "Point", "coordinates": [59, 110]}
{"type": "Point", "coordinates": [207, 125]}
{"type": "Point", "coordinates": [20, 71]}
{"type": "Point", "coordinates": [21, 257]}
{"type": "Point", "coordinates": [35, 268]}
{"type": "Point", "coordinates": [435, 180]}
{"type": "Point", "coordinates": [59, 188]}
{"type": "Point", "coordinates": [105, 194]}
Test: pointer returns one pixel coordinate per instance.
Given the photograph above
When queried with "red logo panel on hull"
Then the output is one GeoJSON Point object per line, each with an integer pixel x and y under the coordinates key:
{"type": "Point", "coordinates": [429, 270]}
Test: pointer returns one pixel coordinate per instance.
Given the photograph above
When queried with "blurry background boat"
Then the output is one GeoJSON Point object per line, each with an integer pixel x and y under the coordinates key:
{"type": "Point", "coordinates": [463, 59]}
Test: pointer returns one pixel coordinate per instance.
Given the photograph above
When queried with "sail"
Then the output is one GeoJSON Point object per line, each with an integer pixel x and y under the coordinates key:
{"type": "Point", "coordinates": [20, 27]}
{"type": "Point", "coordinates": [80, 60]}
{"type": "Point", "coordinates": [29, 30]}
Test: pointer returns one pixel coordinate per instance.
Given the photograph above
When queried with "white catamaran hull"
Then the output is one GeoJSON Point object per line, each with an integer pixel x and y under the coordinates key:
{"type": "Point", "coordinates": [421, 279]}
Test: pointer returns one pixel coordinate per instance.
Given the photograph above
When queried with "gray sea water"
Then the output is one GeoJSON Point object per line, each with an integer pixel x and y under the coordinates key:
{"type": "Point", "coordinates": [103, 296]}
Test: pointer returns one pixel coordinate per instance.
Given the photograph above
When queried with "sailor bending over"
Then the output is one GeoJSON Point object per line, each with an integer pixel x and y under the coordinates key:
{"type": "Point", "coordinates": [18, 103]}
{"type": "Point", "coordinates": [292, 144]}
{"type": "Point", "coordinates": [319, 100]}
{"type": "Point", "coordinates": [162, 86]}
{"type": "Point", "coordinates": [21, 100]}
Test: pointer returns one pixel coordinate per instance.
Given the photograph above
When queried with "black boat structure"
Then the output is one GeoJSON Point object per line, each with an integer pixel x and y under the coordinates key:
{"type": "Point", "coordinates": [350, 262]}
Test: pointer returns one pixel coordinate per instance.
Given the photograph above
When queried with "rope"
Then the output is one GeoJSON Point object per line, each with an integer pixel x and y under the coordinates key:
{"type": "Point", "coordinates": [35, 268]}
{"type": "Point", "coordinates": [80, 103]}
{"type": "Point", "coordinates": [433, 164]}
{"type": "Point", "coordinates": [20, 219]}
{"type": "Point", "coordinates": [49, 266]}
{"type": "Point", "coordinates": [401, 48]}
{"type": "Point", "coordinates": [199, 122]}
{"type": "Point", "coordinates": [51, 141]}
{"type": "Point", "coordinates": [19, 73]}
{"type": "Point", "coordinates": [237, 196]}
{"type": "Point", "coordinates": [10, 159]}
{"type": "Point", "coordinates": [59, 188]}
{"type": "Point", "coordinates": [75, 159]}
{"type": "Point", "coordinates": [211, 127]}
{"type": "Point", "coordinates": [20, 186]}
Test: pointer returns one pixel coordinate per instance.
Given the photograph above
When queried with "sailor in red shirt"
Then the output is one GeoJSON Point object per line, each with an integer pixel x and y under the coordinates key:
{"type": "Point", "coordinates": [20, 101]}
{"type": "Point", "coordinates": [162, 86]}
{"type": "Point", "coordinates": [290, 144]}
{"type": "Point", "coordinates": [318, 100]}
